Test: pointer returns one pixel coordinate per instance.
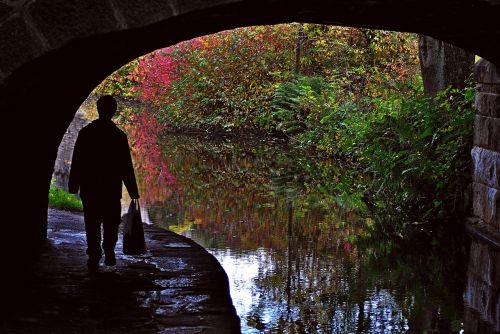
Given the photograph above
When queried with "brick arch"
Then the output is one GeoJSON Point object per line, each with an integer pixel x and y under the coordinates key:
{"type": "Point", "coordinates": [54, 52]}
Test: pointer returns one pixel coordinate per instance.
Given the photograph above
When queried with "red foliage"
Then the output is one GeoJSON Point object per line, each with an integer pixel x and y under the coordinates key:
{"type": "Point", "coordinates": [156, 180]}
{"type": "Point", "coordinates": [230, 58]}
{"type": "Point", "coordinates": [154, 74]}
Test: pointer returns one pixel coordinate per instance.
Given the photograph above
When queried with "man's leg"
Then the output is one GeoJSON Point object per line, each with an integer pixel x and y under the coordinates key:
{"type": "Point", "coordinates": [92, 217]}
{"type": "Point", "coordinates": [111, 221]}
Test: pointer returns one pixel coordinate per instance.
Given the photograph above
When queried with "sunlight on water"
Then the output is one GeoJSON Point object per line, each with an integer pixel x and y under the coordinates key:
{"type": "Point", "coordinates": [244, 269]}
{"type": "Point", "coordinates": [242, 272]}
{"type": "Point", "coordinates": [263, 305]}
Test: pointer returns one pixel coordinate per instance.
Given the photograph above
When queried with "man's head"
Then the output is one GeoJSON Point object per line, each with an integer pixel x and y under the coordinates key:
{"type": "Point", "coordinates": [106, 107]}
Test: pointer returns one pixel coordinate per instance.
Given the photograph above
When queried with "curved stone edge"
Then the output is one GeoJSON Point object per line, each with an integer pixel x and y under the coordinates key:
{"type": "Point", "coordinates": [187, 268]}
{"type": "Point", "coordinates": [220, 316]}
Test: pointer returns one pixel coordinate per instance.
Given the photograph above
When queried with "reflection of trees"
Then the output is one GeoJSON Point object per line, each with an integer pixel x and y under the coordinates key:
{"type": "Point", "coordinates": [240, 191]}
{"type": "Point", "coordinates": [316, 279]}
{"type": "Point", "coordinates": [416, 288]}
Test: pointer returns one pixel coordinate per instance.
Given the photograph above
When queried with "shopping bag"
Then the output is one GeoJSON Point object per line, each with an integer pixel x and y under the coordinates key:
{"type": "Point", "coordinates": [133, 231]}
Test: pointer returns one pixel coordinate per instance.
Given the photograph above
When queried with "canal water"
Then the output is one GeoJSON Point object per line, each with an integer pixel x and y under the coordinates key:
{"type": "Point", "coordinates": [292, 245]}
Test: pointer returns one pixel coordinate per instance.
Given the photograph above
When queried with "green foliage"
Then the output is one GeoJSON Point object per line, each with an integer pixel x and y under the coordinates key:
{"type": "Point", "coordinates": [416, 154]}
{"type": "Point", "coordinates": [231, 80]}
{"type": "Point", "coordinates": [122, 82]}
{"type": "Point", "coordinates": [353, 95]}
{"type": "Point", "coordinates": [297, 105]}
{"type": "Point", "coordinates": [60, 199]}
{"type": "Point", "coordinates": [405, 157]}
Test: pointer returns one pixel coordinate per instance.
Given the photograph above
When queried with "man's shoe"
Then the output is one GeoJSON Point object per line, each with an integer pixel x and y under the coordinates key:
{"type": "Point", "coordinates": [110, 259]}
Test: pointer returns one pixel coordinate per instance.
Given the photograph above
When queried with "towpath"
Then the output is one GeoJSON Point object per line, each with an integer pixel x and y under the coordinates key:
{"type": "Point", "coordinates": [177, 287]}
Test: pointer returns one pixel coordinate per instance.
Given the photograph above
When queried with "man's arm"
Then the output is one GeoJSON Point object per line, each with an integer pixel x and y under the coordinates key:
{"type": "Point", "coordinates": [128, 172]}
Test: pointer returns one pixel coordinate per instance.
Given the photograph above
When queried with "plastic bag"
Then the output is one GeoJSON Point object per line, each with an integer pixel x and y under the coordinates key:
{"type": "Point", "coordinates": [133, 231]}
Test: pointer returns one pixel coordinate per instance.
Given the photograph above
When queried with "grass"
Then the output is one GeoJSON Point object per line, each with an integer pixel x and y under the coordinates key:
{"type": "Point", "coordinates": [60, 199]}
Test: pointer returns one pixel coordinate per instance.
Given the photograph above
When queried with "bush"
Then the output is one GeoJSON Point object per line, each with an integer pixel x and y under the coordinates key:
{"type": "Point", "coordinates": [60, 199]}
{"type": "Point", "coordinates": [417, 157]}
{"type": "Point", "coordinates": [298, 105]}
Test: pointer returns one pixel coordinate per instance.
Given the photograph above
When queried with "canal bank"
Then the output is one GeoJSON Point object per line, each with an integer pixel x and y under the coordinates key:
{"type": "Point", "coordinates": [177, 287]}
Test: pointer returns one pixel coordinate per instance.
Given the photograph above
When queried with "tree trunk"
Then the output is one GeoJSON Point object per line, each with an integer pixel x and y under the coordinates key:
{"type": "Point", "coordinates": [443, 65]}
{"type": "Point", "coordinates": [298, 49]}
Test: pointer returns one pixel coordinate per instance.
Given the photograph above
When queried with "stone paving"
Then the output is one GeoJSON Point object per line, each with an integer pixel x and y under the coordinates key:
{"type": "Point", "coordinates": [177, 287]}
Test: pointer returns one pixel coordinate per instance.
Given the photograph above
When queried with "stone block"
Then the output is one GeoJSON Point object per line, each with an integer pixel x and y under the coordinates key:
{"type": "Point", "coordinates": [486, 204]}
{"type": "Point", "coordinates": [22, 47]}
{"type": "Point", "coordinates": [15, 3]}
{"type": "Point", "coordinates": [136, 14]}
{"type": "Point", "coordinates": [62, 20]}
{"type": "Point", "coordinates": [486, 167]}
{"type": "Point", "coordinates": [487, 73]}
{"type": "Point", "coordinates": [488, 104]}
{"type": "Point", "coordinates": [4, 10]}
{"type": "Point", "coordinates": [485, 88]}
{"type": "Point", "coordinates": [187, 6]}
{"type": "Point", "coordinates": [487, 132]}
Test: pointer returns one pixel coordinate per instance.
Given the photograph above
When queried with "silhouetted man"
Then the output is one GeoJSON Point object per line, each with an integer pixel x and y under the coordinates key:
{"type": "Point", "coordinates": [101, 161]}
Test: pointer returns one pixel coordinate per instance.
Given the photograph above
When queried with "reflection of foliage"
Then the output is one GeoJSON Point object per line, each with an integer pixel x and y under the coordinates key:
{"type": "Point", "coordinates": [413, 286]}
{"type": "Point", "coordinates": [425, 265]}
{"type": "Point", "coordinates": [234, 195]}
{"type": "Point", "coordinates": [183, 227]}
{"type": "Point", "coordinates": [148, 158]}
{"type": "Point", "coordinates": [232, 186]}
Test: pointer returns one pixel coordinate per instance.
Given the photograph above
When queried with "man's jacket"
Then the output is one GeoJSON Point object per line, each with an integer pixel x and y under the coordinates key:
{"type": "Point", "coordinates": [101, 161]}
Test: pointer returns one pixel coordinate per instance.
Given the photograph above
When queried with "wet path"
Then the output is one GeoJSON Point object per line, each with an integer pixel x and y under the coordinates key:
{"type": "Point", "coordinates": [176, 288]}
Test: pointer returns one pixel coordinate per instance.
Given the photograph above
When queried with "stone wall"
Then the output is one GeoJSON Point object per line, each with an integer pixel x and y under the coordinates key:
{"type": "Point", "coordinates": [486, 151]}
{"type": "Point", "coordinates": [65, 153]}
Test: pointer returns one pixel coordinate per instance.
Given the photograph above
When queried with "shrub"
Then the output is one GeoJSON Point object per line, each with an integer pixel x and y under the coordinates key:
{"type": "Point", "coordinates": [60, 199]}
{"type": "Point", "coordinates": [417, 157]}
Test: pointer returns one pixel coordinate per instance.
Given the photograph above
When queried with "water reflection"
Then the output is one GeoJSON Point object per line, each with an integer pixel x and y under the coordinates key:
{"type": "Point", "coordinates": [290, 245]}
{"type": "Point", "coordinates": [482, 294]}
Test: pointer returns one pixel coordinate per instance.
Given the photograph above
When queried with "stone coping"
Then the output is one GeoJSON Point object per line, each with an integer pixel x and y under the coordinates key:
{"type": "Point", "coordinates": [485, 232]}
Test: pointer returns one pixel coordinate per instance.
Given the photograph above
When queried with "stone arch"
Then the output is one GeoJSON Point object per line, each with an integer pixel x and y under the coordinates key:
{"type": "Point", "coordinates": [55, 51]}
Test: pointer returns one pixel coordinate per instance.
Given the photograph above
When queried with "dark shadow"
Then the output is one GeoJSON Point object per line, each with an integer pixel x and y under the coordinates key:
{"type": "Point", "coordinates": [61, 297]}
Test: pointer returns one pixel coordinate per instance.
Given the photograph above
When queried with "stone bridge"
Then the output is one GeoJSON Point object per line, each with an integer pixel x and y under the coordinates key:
{"type": "Point", "coordinates": [54, 52]}
{"type": "Point", "coordinates": [62, 165]}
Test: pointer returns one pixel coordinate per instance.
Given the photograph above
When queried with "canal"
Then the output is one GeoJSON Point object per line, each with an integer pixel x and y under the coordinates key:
{"type": "Point", "coordinates": [299, 256]}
